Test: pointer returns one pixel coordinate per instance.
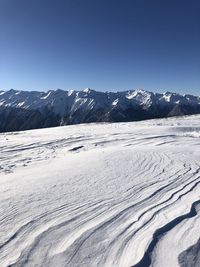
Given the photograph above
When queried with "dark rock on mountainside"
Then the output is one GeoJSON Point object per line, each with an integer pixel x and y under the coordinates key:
{"type": "Point", "coordinates": [17, 119]}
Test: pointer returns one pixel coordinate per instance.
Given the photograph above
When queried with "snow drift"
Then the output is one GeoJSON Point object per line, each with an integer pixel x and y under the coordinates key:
{"type": "Point", "coordinates": [125, 194]}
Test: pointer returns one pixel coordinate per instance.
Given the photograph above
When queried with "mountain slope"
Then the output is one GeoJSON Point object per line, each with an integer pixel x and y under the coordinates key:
{"type": "Point", "coordinates": [21, 110]}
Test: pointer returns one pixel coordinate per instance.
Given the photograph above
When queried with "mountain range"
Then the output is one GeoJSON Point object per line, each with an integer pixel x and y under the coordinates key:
{"type": "Point", "coordinates": [23, 110]}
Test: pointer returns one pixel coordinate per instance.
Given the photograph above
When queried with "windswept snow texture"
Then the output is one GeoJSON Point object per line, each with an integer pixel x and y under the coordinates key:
{"type": "Point", "coordinates": [125, 194]}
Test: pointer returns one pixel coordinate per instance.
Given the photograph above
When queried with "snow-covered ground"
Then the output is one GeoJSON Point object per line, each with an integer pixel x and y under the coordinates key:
{"type": "Point", "coordinates": [125, 194]}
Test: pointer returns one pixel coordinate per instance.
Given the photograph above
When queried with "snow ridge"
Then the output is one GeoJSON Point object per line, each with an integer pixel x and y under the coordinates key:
{"type": "Point", "coordinates": [61, 101]}
{"type": "Point", "coordinates": [22, 110]}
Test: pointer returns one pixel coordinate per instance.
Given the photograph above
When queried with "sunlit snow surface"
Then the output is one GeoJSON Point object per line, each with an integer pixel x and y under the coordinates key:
{"type": "Point", "coordinates": [121, 194]}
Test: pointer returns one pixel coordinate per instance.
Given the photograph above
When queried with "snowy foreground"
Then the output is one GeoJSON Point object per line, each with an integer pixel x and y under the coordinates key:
{"type": "Point", "coordinates": [125, 194]}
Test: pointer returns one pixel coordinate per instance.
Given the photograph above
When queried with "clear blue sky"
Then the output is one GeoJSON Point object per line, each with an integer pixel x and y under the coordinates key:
{"type": "Point", "coordinates": [101, 44]}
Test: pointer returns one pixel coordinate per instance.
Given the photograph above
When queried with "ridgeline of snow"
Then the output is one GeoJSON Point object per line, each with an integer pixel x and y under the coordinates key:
{"type": "Point", "coordinates": [125, 194]}
{"type": "Point", "coordinates": [69, 101]}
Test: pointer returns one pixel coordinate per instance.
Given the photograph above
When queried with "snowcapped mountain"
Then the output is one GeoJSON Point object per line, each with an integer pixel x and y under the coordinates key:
{"type": "Point", "coordinates": [20, 110]}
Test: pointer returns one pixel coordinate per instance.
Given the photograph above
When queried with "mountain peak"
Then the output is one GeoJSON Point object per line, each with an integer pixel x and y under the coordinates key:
{"type": "Point", "coordinates": [59, 107]}
{"type": "Point", "coordinates": [88, 90]}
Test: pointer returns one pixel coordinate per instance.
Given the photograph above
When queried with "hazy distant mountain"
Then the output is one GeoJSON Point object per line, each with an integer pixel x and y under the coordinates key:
{"type": "Point", "coordinates": [21, 110]}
